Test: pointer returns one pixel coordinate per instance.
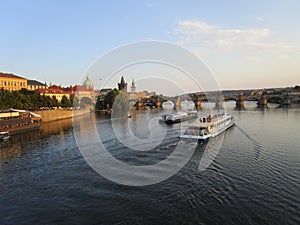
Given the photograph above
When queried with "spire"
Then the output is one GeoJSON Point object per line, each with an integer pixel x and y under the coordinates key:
{"type": "Point", "coordinates": [122, 85]}
{"type": "Point", "coordinates": [122, 80]}
{"type": "Point", "coordinates": [132, 83]}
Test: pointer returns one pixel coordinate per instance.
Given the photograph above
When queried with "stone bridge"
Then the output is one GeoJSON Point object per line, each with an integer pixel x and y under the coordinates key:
{"type": "Point", "coordinates": [240, 98]}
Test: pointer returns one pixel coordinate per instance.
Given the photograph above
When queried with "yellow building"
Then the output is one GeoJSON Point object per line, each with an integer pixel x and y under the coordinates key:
{"type": "Point", "coordinates": [12, 82]}
{"type": "Point", "coordinates": [54, 92]}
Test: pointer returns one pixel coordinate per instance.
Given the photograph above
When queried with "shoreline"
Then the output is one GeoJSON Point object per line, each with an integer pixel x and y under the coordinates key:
{"type": "Point", "coordinates": [60, 114]}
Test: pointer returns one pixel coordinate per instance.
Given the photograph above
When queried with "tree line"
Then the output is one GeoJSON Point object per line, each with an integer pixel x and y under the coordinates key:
{"type": "Point", "coordinates": [32, 100]}
{"type": "Point", "coordinates": [115, 99]}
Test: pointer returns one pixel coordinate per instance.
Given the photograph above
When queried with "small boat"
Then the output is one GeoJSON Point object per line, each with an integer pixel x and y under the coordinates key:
{"type": "Point", "coordinates": [4, 135]}
{"type": "Point", "coordinates": [178, 117]}
{"type": "Point", "coordinates": [208, 127]}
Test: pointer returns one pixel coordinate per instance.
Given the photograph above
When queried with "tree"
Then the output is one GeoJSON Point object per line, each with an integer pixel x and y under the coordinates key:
{"type": "Point", "coordinates": [120, 105]}
{"type": "Point", "coordinates": [100, 103]}
{"type": "Point", "coordinates": [110, 98]}
{"type": "Point", "coordinates": [54, 102]}
{"type": "Point", "coordinates": [65, 102]}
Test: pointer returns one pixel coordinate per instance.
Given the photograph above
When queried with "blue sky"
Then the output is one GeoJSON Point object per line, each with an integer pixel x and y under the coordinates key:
{"type": "Point", "coordinates": [247, 44]}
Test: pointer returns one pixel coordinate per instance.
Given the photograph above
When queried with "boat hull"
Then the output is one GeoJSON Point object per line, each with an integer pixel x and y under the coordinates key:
{"type": "Point", "coordinates": [179, 120]}
{"type": "Point", "coordinates": [25, 128]}
{"type": "Point", "coordinates": [203, 132]}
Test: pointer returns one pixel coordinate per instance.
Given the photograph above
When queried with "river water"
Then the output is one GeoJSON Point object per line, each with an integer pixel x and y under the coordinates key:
{"type": "Point", "coordinates": [253, 178]}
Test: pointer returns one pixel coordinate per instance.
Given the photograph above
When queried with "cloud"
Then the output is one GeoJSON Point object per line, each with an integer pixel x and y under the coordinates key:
{"type": "Point", "coordinates": [205, 35]}
{"type": "Point", "coordinates": [259, 18]}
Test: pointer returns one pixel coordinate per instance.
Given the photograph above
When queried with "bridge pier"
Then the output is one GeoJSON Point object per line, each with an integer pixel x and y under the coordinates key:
{"type": "Point", "coordinates": [158, 103]}
{"type": "Point", "coordinates": [219, 103]}
{"type": "Point", "coordinates": [178, 103]}
{"type": "Point", "coordinates": [199, 103]}
{"type": "Point", "coordinates": [286, 101]}
{"type": "Point", "coordinates": [140, 104]}
{"type": "Point", "coordinates": [240, 102]}
{"type": "Point", "coordinates": [263, 101]}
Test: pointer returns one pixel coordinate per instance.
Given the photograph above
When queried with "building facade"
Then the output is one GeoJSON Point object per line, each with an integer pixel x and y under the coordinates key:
{"type": "Point", "coordinates": [134, 95]}
{"type": "Point", "coordinates": [33, 85]}
{"type": "Point", "coordinates": [12, 82]}
{"type": "Point", "coordinates": [55, 91]}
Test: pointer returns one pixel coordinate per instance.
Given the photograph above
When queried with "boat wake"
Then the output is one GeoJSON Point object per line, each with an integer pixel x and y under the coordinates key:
{"type": "Point", "coordinates": [256, 144]}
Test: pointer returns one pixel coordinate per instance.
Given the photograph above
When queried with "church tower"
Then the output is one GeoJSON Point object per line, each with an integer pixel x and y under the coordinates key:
{"type": "Point", "coordinates": [133, 88]}
{"type": "Point", "coordinates": [123, 86]}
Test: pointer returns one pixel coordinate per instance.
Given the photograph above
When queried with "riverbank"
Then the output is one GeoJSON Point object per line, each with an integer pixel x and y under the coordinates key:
{"type": "Point", "coordinates": [60, 114]}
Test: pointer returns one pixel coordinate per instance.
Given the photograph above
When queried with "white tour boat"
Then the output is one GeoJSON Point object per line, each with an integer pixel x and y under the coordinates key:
{"type": "Point", "coordinates": [178, 117]}
{"type": "Point", "coordinates": [209, 126]}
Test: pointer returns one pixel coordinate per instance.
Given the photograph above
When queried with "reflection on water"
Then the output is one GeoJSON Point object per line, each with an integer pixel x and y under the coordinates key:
{"type": "Point", "coordinates": [13, 147]}
{"type": "Point", "coordinates": [253, 179]}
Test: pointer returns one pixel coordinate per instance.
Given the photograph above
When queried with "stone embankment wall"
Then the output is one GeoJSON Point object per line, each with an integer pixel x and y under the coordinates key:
{"type": "Point", "coordinates": [60, 114]}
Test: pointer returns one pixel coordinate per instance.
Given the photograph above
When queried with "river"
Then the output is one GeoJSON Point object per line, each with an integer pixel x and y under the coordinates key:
{"type": "Point", "coordinates": [253, 178]}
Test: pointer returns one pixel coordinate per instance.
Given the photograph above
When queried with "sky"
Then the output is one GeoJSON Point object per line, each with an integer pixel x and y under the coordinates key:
{"type": "Point", "coordinates": [245, 44]}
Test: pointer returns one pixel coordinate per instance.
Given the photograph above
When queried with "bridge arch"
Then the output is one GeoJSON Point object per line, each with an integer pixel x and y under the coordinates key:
{"type": "Point", "coordinates": [295, 99]}
{"type": "Point", "coordinates": [275, 99]}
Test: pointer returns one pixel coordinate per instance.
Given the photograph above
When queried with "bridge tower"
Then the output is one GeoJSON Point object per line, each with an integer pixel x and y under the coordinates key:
{"type": "Point", "coordinates": [123, 86]}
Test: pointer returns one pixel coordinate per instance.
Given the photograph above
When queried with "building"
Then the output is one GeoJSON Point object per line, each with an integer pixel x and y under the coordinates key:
{"type": "Point", "coordinates": [35, 85]}
{"type": "Point", "coordinates": [55, 91]}
{"type": "Point", "coordinates": [134, 95]}
{"type": "Point", "coordinates": [79, 91]}
{"type": "Point", "coordinates": [86, 90]}
{"type": "Point", "coordinates": [12, 82]}
{"type": "Point", "coordinates": [123, 86]}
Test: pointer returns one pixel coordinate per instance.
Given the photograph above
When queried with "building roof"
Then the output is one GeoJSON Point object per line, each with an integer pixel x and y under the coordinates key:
{"type": "Point", "coordinates": [10, 75]}
{"type": "Point", "coordinates": [35, 82]}
{"type": "Point", "coordinates": [88, 83]}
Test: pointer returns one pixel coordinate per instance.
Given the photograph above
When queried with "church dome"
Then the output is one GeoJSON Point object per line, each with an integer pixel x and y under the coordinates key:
{"type": "Point", "coordinates": [88, 83]}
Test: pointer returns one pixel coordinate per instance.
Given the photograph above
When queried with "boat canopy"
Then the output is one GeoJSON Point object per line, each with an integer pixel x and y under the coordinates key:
{"type": "Point", "coordinates": [16, 112]}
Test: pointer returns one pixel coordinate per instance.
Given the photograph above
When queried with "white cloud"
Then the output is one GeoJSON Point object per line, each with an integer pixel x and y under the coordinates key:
{"type": "Point", "coordinates": [259, 18]}
{"type": "Point", "coordinates": [205, 35]}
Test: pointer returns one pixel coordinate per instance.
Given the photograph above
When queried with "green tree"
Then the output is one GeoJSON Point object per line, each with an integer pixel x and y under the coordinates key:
{"type": "Point", "coordinates": [65, 102]}
{"type": "Point", "coordinates": [120, 105]}
{"type": "Point", "coordinates": [100, 103]}
{"type": "Point", "coordinates": [110, 98]}
{"type": "Point", "coordinates": [54, 102]}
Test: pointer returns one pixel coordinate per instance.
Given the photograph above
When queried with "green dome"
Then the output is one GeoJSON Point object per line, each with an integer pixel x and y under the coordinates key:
{"type": "Point", "coordinates": [88, 83]}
